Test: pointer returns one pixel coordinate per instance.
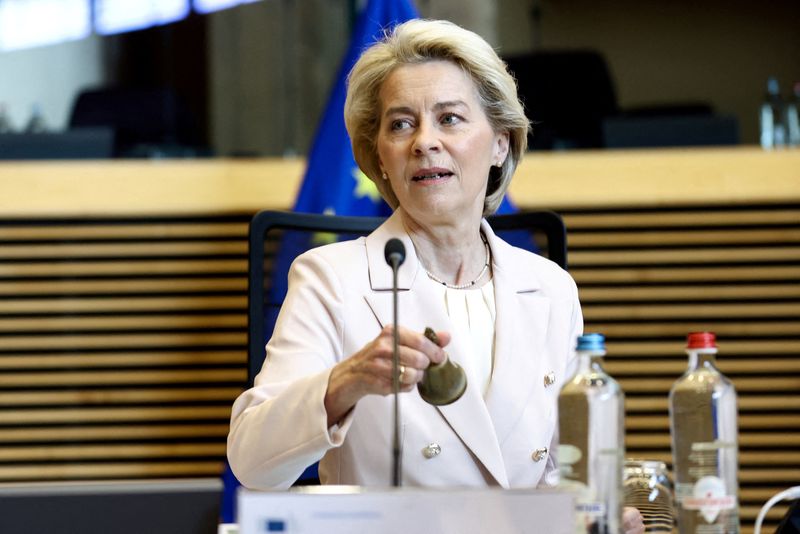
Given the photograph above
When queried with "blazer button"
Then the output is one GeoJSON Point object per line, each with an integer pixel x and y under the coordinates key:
{"type": "Point", "coordinates": [431, 450]}
{"type": "Point", "coordinates": [549, 379]}
{"type": "Point", "coordinates": [539, 454]}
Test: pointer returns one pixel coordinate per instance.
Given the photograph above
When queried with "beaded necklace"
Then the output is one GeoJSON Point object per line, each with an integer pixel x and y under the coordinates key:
{"type": "Point", "coordinates": [468, 284]}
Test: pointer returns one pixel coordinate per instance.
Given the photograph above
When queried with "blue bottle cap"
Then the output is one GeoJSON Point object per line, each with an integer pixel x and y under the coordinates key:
{"type": "Point", "coordinates": [591, 342]}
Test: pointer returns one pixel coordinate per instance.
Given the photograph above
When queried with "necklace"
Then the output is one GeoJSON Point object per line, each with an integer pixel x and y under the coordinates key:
{"type": "Point", "coordinates": [468, 284]}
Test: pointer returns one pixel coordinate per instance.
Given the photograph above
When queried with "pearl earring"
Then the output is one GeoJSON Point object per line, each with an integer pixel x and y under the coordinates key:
{"type": "Point", "coordinates": [385, 176]}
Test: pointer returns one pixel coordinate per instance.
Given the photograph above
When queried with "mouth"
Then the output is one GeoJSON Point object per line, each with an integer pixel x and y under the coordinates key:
{"type": "Point", "coordinates": [431, 175]}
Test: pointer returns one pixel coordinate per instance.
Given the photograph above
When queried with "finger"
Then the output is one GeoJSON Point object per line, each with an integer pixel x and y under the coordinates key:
{"type": "Point", "coordinates": [408, 372]}
{"type": "Point", "coordinates": [432, 351]}
{"type": "Point", "coordinates": [633, 522]}
{"type": "Point", "coordinates": [444, 338]}
{"type": "Point", "coordinates": [404, 374]}
{"type": "Point", "coordinates": [428, 351]}
{"type": "Point", "coordinates": [441, 339]}
{"type": "Point", "coordinates": [411, 375]}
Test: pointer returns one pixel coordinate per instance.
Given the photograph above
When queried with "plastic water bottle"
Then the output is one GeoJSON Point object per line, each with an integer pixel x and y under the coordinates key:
{"type": "Point", "coordinates": [5, 120]}
{"type": "Point", "coordinates": [792, 117]}
{"type": "Point", "coordinates": [703, 426]}
{"type": "Point", "coordinates": [36, 124]}
{"type": "Point", "coordinates": [591, 414]}
{"type": "Point", "coordinates": [773, 131]}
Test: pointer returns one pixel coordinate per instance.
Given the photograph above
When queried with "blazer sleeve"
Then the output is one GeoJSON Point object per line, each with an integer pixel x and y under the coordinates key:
{"type": "Point", "coordinates": [279, 426]}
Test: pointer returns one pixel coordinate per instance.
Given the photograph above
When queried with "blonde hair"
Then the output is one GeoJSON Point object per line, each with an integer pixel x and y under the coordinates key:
{"type": "Point", "coordinates": [419, 41]}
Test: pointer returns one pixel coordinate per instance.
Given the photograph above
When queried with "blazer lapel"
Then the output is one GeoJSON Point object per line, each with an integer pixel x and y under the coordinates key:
{"type": "Point", "coordinates": [471, 420]}
{"type": "Point", "coordinates": [380, 274]}
{"type": "Point", "coordinates": [521, 330]}
{"type": "Point", "coordinates": [420, 304]}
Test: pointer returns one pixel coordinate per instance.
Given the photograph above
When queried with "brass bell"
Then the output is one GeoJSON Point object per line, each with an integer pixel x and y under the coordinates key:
{"type": "Point", "coordinates": [443, 383]}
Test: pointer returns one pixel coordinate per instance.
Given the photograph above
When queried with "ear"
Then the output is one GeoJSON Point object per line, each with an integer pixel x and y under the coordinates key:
{"type": "Point", "coordinates": [501, 147]}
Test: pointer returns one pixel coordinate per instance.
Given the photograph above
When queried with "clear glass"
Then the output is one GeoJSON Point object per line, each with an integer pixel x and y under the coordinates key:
{"type": "Point", "coordinates": [773, 133]}
{"type": "Point", "coordinates": [649, 489]}
{"type": "Point", "coordinates": [792, 118]}
{"type": "Point", "coordinates": [5, 120]}
{"type": "Point", "coordinates": [703, 426]}
{"type": "Point", "coordinates": [591, 409]}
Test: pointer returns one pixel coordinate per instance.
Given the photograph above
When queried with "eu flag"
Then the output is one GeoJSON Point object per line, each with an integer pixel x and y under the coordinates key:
{"type": "Point", "coordinates": [333, 183]}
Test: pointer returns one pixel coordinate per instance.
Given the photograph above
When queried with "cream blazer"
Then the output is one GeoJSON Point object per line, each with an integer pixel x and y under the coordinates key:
{"type": "Point", "coordinates": [338, 300]}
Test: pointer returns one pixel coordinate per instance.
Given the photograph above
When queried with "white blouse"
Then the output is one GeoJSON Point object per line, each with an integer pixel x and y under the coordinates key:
{"type": "Point", "coordinates": [473, 314]}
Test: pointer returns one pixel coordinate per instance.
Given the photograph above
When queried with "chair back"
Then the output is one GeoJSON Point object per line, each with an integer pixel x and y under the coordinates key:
{"type": "Point", "coordinates": [567, 94]}
{"type": "Point", "coordinates": [277, 237]}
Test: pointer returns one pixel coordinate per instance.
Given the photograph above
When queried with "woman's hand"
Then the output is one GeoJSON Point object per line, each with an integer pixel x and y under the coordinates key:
{"type": "Point", "coordinates": [632, 521]}
{"type": "Point", "coordinates": [369, 371]}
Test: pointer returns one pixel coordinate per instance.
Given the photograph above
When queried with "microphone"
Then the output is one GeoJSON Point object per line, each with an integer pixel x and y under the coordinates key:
{"type": "Point", "coordinates": [394, 251]}
{"type": "Point", "coordinates": [395, 254]}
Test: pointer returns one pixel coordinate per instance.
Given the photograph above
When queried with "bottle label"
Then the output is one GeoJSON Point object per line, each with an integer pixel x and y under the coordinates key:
{"type": "Point", "coordinates": [703, 458]}
{"type": "Point", "coordinates": [591, 509]}
{"type": "Point", "coordinates": [588, 509]}
{"type": "Point", "coordinates": [708, 495]}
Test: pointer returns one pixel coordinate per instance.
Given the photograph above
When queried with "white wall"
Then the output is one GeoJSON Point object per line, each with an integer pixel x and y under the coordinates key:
{"type": "Point", "coordinates": [50, 76]}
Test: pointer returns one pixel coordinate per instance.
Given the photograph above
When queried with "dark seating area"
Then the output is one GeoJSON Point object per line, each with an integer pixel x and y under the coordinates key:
{"type": "Point", "coordinates": [570, 98]}
{"type": "Point", "coordinates": [96, 142]}
{"type": "Point", "coordinates": [147, 122]}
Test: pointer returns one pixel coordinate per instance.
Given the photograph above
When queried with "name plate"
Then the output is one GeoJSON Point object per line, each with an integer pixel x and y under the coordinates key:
{"type": "Point", "coordinates": [353, 510]}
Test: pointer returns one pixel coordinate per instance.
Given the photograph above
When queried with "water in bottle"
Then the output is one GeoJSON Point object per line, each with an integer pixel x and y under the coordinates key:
{"type": "Point", "coordinates": [591, 415]}
{"type": "Point", "coordinates": [36, 123]}
{"type": "Point", "coordinates": [703, 426]}
{"type": "Point", "coordinates": [773, 131]}
{"type": "Point", "coordinates": [5, 120]}
{"type": "Point", "coordinates": [792, 117]}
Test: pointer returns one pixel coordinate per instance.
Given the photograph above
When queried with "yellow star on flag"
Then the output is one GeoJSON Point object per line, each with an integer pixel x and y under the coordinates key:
{"type": "Point", "coordinates": [364, 186]}
{"type": "Point", "coordinates": [325, 238]}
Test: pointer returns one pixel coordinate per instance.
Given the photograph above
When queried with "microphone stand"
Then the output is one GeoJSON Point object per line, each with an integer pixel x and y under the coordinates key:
{"type": "Point", "coordinates": [395, 254]}
{"type": "Point", "coordinates": [396, 458]}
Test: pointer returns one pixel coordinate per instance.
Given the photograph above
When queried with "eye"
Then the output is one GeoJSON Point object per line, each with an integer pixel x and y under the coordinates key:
{"type": "Point", "coordinates": [399, 124]}
{"type": "Point", "coordinates": [450, 119]}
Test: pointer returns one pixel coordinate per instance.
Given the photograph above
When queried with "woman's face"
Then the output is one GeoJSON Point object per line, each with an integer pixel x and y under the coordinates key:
{"type": "Point", "coordinates": [435, 142]}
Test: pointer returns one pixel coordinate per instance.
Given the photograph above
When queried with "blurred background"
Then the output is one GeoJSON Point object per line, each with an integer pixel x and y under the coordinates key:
{"type": "Point", "coordinates": [250, 78]}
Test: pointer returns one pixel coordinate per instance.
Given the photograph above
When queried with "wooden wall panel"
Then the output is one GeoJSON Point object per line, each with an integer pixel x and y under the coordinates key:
{"type": "Point", "coordinates": [647, 277]}
{"type": "Point", "coordinates": [122, 345]}
{"type": "Point", "coordinates": [123, 340]}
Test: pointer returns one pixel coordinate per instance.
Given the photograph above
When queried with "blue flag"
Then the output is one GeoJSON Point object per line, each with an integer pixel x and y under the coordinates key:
{"type": "Point", "coordinates": [333, 182]}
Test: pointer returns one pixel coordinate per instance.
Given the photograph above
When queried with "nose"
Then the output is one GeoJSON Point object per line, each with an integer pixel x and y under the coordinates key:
{"type": "Point", "coordinates": [426, 139]}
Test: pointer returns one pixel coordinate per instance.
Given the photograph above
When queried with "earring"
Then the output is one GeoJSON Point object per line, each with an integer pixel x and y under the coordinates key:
{"type": "Point", "coordinates": [385, 176]}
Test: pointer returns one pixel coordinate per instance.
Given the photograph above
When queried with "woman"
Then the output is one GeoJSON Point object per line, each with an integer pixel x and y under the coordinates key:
{"type": "Point", "coordinates": [435, 122]}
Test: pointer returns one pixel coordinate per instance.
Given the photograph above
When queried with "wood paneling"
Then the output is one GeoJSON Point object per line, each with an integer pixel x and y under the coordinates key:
{"type": "Point", "coordinates": [123, 300]}
{"type": "Point", "coordinates": [122, 345]}
{"type": "Point", "coordinates": [553, 180]}
{"type": "Point", "coordinates": [647, 277]}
